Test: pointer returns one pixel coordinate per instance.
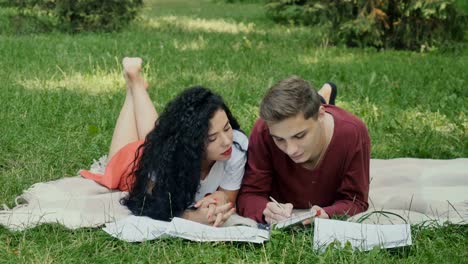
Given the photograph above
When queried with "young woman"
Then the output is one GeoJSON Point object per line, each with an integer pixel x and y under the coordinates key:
{"type": "Point", "coordinates": [191, 156]}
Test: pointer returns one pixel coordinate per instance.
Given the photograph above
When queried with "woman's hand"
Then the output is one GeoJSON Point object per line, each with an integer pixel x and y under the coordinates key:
{"type": "Point", "coordinates": [211, 201]}
{"type": "Point", "coordinates": [218, 197]}
{"type": "Point", "coordinates": [218, 215]}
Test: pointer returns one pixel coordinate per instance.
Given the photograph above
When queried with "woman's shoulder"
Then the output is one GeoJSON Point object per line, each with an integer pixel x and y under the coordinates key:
{"type": "Point", "coordinates": [241, 139]}
{"type": "Point", "coordinates": [239, 151]}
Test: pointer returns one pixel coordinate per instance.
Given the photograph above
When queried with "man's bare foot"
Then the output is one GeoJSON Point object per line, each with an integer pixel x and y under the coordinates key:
{"type": "Point", "coordinates": [132, 73]}
{"type": "Point", "coordinates": [326, 92]}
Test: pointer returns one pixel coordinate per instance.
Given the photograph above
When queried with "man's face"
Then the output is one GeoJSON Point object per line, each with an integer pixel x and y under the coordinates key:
{"type": "Point", "coordinates": [299, 138]}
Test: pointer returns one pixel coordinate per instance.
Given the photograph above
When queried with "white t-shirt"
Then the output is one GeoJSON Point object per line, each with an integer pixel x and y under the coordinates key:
{"type": "Point", "coordinates": [226, 174]}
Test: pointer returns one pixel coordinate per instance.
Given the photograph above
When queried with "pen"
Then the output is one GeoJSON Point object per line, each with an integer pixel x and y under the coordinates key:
{"type": "Point", "coordinates": [276, 202]}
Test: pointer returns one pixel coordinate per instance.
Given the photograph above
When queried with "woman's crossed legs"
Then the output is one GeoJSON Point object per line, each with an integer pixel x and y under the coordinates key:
{"type": "Point", "coordinates": [138, 114]}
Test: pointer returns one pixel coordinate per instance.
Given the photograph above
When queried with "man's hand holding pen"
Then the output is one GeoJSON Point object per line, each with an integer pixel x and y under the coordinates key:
{"type": "Point", "coordinates": [275, 211]}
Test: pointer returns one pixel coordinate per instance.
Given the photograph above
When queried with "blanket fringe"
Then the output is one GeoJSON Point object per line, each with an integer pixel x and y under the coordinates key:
{"type": "Point", "coordinates": [99, 165]}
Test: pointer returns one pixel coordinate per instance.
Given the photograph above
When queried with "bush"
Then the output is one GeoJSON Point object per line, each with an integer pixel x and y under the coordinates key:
{"type": "Point", "coordinates": [400, 24]}
{"type": "Point", "coordinates": [14, 23]}
{"type": "Point", "coordinates": [82, 15]}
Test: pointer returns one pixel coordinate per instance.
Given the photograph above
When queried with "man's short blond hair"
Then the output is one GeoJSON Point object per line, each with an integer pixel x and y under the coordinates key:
{"type": "Point", "coordinates": [289, 97]}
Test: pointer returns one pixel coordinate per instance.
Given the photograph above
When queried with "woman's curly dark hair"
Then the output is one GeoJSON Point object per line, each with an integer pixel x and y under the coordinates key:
{"type": "Point", "coordinates": [167, 175]}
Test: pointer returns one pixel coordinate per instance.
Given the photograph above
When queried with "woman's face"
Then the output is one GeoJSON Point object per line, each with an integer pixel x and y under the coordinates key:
{"type": "Point", "coordinates": [219, 140]}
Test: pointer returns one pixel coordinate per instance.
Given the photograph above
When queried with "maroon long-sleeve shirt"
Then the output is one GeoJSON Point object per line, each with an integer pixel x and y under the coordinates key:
{"type": "Point", "coordinates": [339, 184]}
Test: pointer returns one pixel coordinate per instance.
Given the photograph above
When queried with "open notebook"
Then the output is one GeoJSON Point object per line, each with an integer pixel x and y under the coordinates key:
{"type": "Point", "coordinates": [141, 228]}
{"type": "Point", "coordinates": [295, 218]}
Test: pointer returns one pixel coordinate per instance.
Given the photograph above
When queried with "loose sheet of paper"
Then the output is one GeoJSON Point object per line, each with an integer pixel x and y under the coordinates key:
{"type": "Point", "coordinates": [361, 236]}
{"type": "Point", "coordinates": [190, 230]}
{"type": "Point", "coordinates": [136, 228]}
{"type": "Point", "coordinates": [141, 228]}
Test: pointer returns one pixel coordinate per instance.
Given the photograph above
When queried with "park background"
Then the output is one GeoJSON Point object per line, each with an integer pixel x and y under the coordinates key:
{"type": "Point", "coordinates": [60, 94]}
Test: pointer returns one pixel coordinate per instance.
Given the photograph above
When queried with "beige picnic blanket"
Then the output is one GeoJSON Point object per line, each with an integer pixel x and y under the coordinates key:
{"type": "Point", "coordinates": [416, 189]}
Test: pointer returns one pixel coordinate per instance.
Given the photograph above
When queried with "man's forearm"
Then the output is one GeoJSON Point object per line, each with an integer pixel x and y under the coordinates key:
{"type": "Point", "coordinates": [252, 206]}
{"type": "Point", "coordinates": [346, 207]}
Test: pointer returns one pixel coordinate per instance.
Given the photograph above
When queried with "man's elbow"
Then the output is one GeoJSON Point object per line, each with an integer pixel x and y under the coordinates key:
{"type": "Point", "coordinates": [361, 206]}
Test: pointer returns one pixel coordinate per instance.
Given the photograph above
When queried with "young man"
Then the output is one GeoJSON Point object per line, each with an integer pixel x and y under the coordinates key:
{"type": "Point", "coordinates": [304, 155]}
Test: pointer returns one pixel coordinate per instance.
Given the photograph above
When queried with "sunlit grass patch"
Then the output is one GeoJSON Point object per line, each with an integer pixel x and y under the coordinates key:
{"type": "Point", "coordinates": [431, 120]}
{"type": "Point", "coordinates": [201, 25]}
{"type": "Point", "coordinates": [321, 55]}
{"type": "Point", "coordinates": [409, 131]}
{"type": "Point", "coordinates": [219, 77]}
{"type": "Point", "coordinates": [411, 119]}
{"type": "Point", "coordinates": [96, 83]}
{"type": "Point", "coordinates": [308, 59]}
{"type": "Point", "coordinates": [197, 44]}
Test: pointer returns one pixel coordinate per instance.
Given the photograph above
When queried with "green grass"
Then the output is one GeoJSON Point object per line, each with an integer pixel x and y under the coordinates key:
{"type": "Point", "coordinates": [60, 95]}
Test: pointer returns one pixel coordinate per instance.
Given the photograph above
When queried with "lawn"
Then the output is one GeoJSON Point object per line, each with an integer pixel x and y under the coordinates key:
{"type": "Point", "coordinates": [60, 95]}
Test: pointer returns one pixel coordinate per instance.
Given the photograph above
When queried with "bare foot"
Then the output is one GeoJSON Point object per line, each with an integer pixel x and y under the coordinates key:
{"type": "Point", "coordinates": [326, 92]}
{"type": "Point", "coordinates": [132, 73]}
